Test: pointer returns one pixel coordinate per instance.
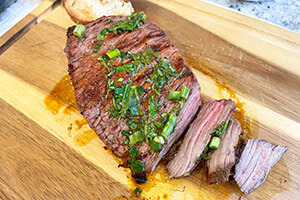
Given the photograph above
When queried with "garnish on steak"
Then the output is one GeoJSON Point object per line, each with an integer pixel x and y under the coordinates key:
{"type": "Point", "coordinates": [132, 86]}
{"type": "Point", "coordinates": [219, 166]}
{"type": "Point", "coordinates": [256, 161]}
{"type": "Point", "coordinates": [211, 118]}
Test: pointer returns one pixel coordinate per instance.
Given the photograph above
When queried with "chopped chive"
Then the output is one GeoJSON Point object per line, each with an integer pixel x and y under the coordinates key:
{"type": "Point", "coordinates": [174, 95]}
{"type": "Point", "coordinates": [184, 93]}
{"type": "Point", "coordinates": [79, 30]}
{"type": "Point", "coordinates": [215, 143]}
{"type": "Point", "coordinates": [114, 53]}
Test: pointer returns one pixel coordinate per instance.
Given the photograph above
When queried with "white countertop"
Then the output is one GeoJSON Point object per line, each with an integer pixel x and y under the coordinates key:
{"type": "Point", "coordinates": [285, 13]}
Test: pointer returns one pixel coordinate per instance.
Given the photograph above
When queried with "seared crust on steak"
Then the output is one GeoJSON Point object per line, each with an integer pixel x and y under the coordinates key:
{"type": "Point", "coordinates": [88, 77]}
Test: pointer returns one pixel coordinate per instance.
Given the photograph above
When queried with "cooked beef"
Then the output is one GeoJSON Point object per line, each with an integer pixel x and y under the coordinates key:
{"type": "Point", "coordinates": [221, 162]}
{"type": "Point", "coordinates": [212, 113]}
{"type": "Point", "coordinates": [88, 77]}
{"type": "Point", "coordinates": [256, 161]}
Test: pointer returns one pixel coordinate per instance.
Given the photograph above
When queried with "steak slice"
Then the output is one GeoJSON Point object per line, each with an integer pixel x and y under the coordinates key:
{"type": "Point", "coordinates": [256, 161]}
{"type": "Point", "coordinates": [212, 113]}
{"type": "Point", "coordinates": [88, 77]}
{"type": "Point", "coordinates": [221, 162]}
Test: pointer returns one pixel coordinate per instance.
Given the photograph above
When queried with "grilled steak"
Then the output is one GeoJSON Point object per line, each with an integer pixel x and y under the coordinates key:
{"type": "Point", "coordinates": [212, 113]}
{"type": "Point", "coordinates": [221, 162]}
{"type": "Point", "coordinates": [256, 161]}
{"type": "Point", "coordinates": [90, 84]}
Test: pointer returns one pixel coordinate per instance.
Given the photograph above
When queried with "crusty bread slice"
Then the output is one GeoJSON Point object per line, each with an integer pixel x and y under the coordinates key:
{"type": "Point", "coordinates": [82, 11]}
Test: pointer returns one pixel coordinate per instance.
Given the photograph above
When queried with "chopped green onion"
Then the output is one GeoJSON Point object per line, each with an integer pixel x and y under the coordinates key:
{"type": "Point", "coordinates": [79, 30]}
{"type": "Point", "coordinates": [215, 143]}
{"type": "Point", "coordinates": [114, 53]}
{"type": "Point", "coordinates": [184, 93]}
{"type": "Point", "coordinates": [169, 127]}
{"type": "Point", "coordinates": [138, 166]}
{"type": "Point", "coordinates": [138, 191]}
{"type": "Point", "coordinates": [110, 21]}
{"type": "Point", "coordinates": [135, 138]}
{"type": "Point", "coordinates": [159, 139]}
{"type": "Point", "coordinates": [174, 95]}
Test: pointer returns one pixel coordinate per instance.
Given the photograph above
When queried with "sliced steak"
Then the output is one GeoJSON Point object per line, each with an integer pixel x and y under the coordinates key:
{"type": "Point", "coordinates": [212, 113]}
{"type": "Point", "coordinates": [221, 162]}
{"type": "Point", "coordinates": [256, 161]}
{"type": "Point", "coordinates": [88, 77]}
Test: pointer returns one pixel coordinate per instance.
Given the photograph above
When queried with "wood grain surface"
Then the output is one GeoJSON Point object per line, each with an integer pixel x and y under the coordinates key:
{"type": "Point", "coordinates": [47, 151]}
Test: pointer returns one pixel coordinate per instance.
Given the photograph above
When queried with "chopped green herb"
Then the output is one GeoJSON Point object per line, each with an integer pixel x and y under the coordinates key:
{"type": "Point", "coordinates": [174, 95]}
{"type": "Point", "coordinates": [133, 153]}
{"type": "Point", "coordinates": [224, 126]}
{"type": "Point", "coordinates": [110, 21]}
{"type": "Point", "coordinates": [155, 146]}
{"type": "Point", "coordinates": [97, 47]}
{"type": "Point", "coordinates": [206, 157]}
{"type": "Point", "coordinates": [135, 138]}
{"type": "Point", "coordinates": [138, 166]}
{"type": "Point", "coordinates": [140, 90]}
{"type": "Point", "coordinates": [133, 22]}
{"type": "Point", "coordinates": [120, 69]}
{"type": "Point", "coordinates": [153, 109]}
{"type": "Point", "coordinates": [138, 191]}
{"type": "Point", "coordinates": [120, 79]}
{"type": "Point", "coordinates": [114, 53]}
{"type": "Point", "coordinates": [79, 30]}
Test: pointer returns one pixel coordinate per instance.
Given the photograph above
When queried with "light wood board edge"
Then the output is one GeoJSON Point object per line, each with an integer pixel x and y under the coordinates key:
{"type": "Point", "coordinates": [36, 16]}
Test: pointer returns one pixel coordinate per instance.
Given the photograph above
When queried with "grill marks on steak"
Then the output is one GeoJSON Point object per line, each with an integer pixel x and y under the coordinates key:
{"type": "Point", "coordinates": [221, 162]}
{"type": "Point", "coordinates": [256, 161]}
{"type": "Point", "coordinates": [198, 136]}
{"type": "Point", "coordinates": [88, 77]}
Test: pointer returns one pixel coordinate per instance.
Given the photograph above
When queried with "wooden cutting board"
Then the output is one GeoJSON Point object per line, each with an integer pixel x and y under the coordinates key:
{"type": "Point", "coordinates": [47, 151]}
